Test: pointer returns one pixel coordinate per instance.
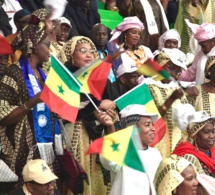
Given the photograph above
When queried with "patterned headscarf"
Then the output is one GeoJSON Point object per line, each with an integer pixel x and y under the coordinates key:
{"type": "Point", "coordinates": [128, 121]}
{"type": "Point", "coordinates": [163, 58]}
{"type": "Point", "coordinates": [168, 176]}
{"type": "Point", "coordinates": [39, 15]}
{"type": "Point", "coordinates": [69, 48]}
{"type": "Point", "coordinates": [176, 56]}
{"type": "Point", "coordinates": [209, 64]}
{"type": "Point", "coordinates": [28, 38]}
{"type": "Point", "coordinates": [194, 128]}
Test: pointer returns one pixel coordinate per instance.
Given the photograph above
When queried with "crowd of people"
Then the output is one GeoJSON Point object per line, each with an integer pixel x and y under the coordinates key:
{"type": "Point", "coordinates": [34, 160]}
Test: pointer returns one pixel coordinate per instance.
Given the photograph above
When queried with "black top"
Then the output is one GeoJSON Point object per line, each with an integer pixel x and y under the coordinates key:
{"type": "Point", "coordinates": [81, 21]}
{"type": "Point", "coordinates": [31, 5]}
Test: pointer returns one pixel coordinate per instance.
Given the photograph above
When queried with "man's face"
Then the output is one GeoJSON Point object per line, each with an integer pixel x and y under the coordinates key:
{"type": "Point", "coordinates": [64, 35]}
{"type": "Point", "coordinates": [100, 35]}
{"type": "Point", "coordinates": [130, 80]}
{"type": "Point", "coordinates": [3, 63]}
{"type": "Point", "coordinates": [207, 45]}
{"type": "Point", "coordinates": [40, 189]}
{"type": "Point", "coordinates": [85, 3]}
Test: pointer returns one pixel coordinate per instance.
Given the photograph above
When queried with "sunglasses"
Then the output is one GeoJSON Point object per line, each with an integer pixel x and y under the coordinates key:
{"type": "Point", "coordinates": [84, 50]}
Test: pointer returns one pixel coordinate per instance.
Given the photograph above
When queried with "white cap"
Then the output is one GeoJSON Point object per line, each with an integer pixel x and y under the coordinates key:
{"type": "Point", "coordinates": [185, 114]}
{"type": "Point", "coordinates": [200, 116]}
{"type": "Point", "coordinates": [64, 20]}
{"type": "Point", "coordinates": [128, 66]}
{"type": "Point", "coordinates": [176, 56]}
{"type": "Point", "coordinates": [137, 109]}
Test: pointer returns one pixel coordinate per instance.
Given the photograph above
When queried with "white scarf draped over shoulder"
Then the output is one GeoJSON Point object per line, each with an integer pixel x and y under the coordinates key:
{"type": "Point", "coordinates": [150, 19]}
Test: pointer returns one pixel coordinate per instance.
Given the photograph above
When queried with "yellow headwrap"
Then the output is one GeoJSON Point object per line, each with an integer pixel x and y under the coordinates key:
{"type": "Point", "coordinates": [168, 176]}
{"type": "Point", "coordinates": [69, 48]}
{"type": "Point", "coordinates": [163, 58]}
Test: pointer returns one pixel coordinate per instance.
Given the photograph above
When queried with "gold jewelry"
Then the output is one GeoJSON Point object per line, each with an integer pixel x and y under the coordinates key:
{"type": "Point", "coordinates": [164, 107]}
{"type": "Point", "coordinates": [72, 60]}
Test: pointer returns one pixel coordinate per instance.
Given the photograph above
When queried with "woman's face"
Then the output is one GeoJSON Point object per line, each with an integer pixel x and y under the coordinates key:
{"type": "Point", "coordinates": [42, 49]}
{"type": "Point", "coordinates": [205, 137]}
{"type": "Point", "coordinates": [190, 183]}
{"type": "Point", "coordinates": [132, 37]}
{"type": "Point", "coordinates": [171, 43]}
{"type": "Point", "coordinates": [147, 130]}
{"type": "Point", "coordinates": [173, 70]}
{"type": "Point", "coordinates": [83, 55]}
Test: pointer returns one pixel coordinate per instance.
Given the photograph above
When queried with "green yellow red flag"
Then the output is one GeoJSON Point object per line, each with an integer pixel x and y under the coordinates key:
{"type": "Point", "coordinates": [141, 95]}
{"type": "Point", "coordinates": [61, 91]}
{"type": "Point", "coordinates": [94, 77]}
{"type": "Point", "coordinates": [121, 151]}
{"type": "Point", "coordinates": [152, 69]}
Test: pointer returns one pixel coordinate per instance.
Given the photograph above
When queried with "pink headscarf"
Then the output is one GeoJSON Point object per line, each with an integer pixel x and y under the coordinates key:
{"type": "Point", "coordinates": [202, 32]}
{"type": "Point", "coordinates": [127, 23]}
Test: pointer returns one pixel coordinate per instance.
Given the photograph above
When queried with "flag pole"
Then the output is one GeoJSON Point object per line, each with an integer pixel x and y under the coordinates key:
{"type": "Point", "coordinates": [75, 79]}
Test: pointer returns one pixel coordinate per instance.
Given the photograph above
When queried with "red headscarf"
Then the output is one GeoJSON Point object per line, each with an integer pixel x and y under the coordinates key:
{"type": "Point", "coordinates": [187, 148]}
{"type": "Point", "coordinates": [5, 48]}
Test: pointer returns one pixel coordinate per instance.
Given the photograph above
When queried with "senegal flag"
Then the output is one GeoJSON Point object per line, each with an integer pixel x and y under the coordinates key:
{"type": "Point", "coordinates": [151, 68]}
{"type": "Point", "coordinates": [119, 147]}
{"type": "Point", "coordinates": [94, 77]}
{"type": "Point", "coordinates": [61, 91]}
{"type": "Point", "coordinates": [141, 95]}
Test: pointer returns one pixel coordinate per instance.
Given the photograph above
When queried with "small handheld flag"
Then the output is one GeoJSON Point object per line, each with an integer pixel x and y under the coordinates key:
{"type": "Point", "coordinates": [61, 91]}
{"type": "Point", "coordinates": [118, 150]}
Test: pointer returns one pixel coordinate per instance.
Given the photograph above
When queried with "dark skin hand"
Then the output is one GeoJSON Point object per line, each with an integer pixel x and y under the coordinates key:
{"type": "Point", "coordinates": [177, 94]}
{"type": "Point", "coordinates": [20, 111]}
{"type": "Point", "coordinates": [107, 119]}
{"type": "Point", "coordinates": [192, 91]}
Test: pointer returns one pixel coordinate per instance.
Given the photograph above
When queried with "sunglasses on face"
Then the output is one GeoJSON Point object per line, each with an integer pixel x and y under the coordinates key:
{"type": "Point", "coordinates": [84, 50]}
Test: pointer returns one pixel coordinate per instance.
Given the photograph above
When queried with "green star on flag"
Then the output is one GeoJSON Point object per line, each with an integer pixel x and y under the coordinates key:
{"type": "Point", "coordinates": [62, 98]}
{"type": "Point", "coordinates": [126, 154]}
{"type": "Point", "coordinates": [61, 90]}
{"type": "Point", "coordinates": [115, 147]}
{"type": "Point", "coordinates": [84, 75]}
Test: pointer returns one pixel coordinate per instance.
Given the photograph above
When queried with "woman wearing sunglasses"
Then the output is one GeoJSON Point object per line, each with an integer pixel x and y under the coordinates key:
{"type": "Point", "coordinates": [79, 52]}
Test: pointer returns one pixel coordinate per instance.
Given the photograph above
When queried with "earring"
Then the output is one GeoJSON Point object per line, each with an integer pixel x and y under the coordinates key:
{"type": "Point", "coordinates": [125, 40]}
{"type": "Point", "coordinates": [72, 61]}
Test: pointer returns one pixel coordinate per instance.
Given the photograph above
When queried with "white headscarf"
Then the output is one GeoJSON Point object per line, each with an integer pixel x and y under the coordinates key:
{"type": "Point", "coordinates": [170, 34]}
